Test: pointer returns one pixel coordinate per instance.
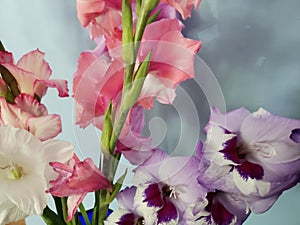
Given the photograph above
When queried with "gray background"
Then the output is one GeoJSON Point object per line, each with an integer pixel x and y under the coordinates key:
{"type": "Point", "coordinates": [253, 48]}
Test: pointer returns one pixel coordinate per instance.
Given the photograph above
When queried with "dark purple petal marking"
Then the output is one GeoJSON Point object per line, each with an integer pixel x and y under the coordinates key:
{"type": "Point", "coordinates": [295, 135]}
{"type": "Point", "coordinates": [153, 196]}
{"type": "Point", "coordinates": [252, 170]}
{"type": "Point", "coordinates": [230, 150]}
{"type": "Point", "coordinates": [127, 219]}
{"type": "Point", "coordinates": [167, 213]}
{"type": "Point", "coordinates": [219, 214]}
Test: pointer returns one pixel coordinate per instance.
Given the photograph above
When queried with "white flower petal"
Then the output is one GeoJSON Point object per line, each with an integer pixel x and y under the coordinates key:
{"type": "Point", "coordinates": [250, 185]}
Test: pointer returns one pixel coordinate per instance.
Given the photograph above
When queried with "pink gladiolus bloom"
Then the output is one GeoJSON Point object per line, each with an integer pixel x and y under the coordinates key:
{"type": "Point", "coordinates": [100, 16]}
{"type": "Point", "coordinates": [29, 114]}
{"type": "Point", "coordinates": [184, 7]}
{"type": "Point", "coordinates": [75, 180]}
{"type": "Point", "coordinates": [166, 70]}
{"type": "Point", "coordinates": [96, 81]}
{"type": "Point", "coordinates": [32, 73]}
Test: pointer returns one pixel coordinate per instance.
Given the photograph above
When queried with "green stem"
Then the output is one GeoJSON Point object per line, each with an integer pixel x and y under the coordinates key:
{"type": "Point", "coordinates": [84, 214]}
{"type": "Point", "coordinates": [103, 207]}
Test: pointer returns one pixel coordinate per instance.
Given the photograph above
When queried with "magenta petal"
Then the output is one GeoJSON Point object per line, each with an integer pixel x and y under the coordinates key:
{"type": "Point", "coordinates": [295, 135]}
{"type": "Point", "coordinates": [153, 196]}
{"type": "Point", "coordinates": [167, 214]}
{"type": "Point", "coordinates": [252, 170]}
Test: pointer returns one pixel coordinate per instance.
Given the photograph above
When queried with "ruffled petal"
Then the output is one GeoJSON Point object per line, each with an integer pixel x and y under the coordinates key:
{"type": "Point", "coordinates": [44, 127]}
{"type": "Point", "coordinates": [34, 62]}
{"type": "Point", "coordinates": [29, 104]}
{"type": "Point", "coordinates": [6, 57]}
{"type": "Point", "coordinates": [168, 214]}
{"type": "Point", "coordinates": [40, 87]}
{"type": "Point", "coordinates": [154, 87]}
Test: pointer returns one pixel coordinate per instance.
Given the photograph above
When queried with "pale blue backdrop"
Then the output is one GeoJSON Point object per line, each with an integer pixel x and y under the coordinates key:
{"type": "Point", "coordinates": [253, 48]}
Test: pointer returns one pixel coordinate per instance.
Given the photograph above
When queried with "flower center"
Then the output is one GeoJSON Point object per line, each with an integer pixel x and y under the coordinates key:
{"type": "Point", "coordinates": [140, 221]}
{"type": "Point", "coordinates": [13, 171]}
{"type": "Point", "coordinates": [170, 191]}
{"type": "Point", "coordinates": [265, 149]}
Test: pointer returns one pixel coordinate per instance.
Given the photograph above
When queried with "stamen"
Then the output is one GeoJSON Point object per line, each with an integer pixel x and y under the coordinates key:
{"type": "Point", "coordinates": [13, 171]}
{"type": "Point", "coordinates": [265, 149]}
{"type": "Point", "coordinates": [173, 192]}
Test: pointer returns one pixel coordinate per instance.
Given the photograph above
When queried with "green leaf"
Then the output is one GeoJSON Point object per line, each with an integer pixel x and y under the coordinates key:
{"type": "Point", "coordinates": [58, 206]}
{"type": "Point", "coordinates": [51, 218]}
{"type": "Point", "coordinates": [117, 187]}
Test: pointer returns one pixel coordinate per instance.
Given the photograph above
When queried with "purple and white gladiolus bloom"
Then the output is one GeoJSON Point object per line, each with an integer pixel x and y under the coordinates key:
{"type": "Point", "coordinates": [250, 155]}
{"type": "Point", "coordinates": [166, 192]}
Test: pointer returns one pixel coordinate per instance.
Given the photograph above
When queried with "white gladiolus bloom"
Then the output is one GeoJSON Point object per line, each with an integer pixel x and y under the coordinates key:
{"type": "Point", "coordinates": [25, 172]}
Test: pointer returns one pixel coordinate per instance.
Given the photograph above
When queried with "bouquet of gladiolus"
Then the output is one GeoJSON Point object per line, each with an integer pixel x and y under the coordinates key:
{"type": "Point", "coordinates": [246, 161]}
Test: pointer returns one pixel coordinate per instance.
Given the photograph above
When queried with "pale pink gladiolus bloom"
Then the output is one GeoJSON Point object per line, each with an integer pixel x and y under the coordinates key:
{"type": "Point", "coordinates": [32, 73]}
{"type": "Point", "coordinates": [29, 114]}
{"type": "Point", "coordinates": [184, 7]}
{"type": "Point", "coordinates": [75, 180]}
{"type": "Point", "coordinates": [96, 81]}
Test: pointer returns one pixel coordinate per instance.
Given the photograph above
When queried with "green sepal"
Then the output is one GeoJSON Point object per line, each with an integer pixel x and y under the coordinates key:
{"type": "Point", "coordinates": [107, 131]}
{"type": "Point", "coordinates": [51, 218]}
{"type": "Point", "coordinates": [8, 78]}
{"type": "Point", "coordinates": [152, 18]}
{"type": "Point", "coordinates": [149, 5]}
{"type": "Point", "coordinates": [10, 81]}
{"type": "Point", "coordinates": [1, 46]}
{"type": "Point", "coordinates": [134, 93]}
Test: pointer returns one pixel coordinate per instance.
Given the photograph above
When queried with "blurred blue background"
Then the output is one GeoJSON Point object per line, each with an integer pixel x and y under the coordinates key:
{"type": "Point", "coordinates": [252, 47]}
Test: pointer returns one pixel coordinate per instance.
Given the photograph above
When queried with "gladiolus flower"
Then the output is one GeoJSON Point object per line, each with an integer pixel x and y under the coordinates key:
{"type": "Point", "coordinates": [184, 6]}
{"type": "Point", "coordinates": [31, 115]}
{"type": "Point", "coordinates": [164, 188]}
{"type": "Point", "coordinates": [32, 73]}
{"type": "Point", "coordinates": [25, 172]}
{"type": "Point", "coordinates": [75, 180]}
{"type": "Point", "coordinates": [250, 156]}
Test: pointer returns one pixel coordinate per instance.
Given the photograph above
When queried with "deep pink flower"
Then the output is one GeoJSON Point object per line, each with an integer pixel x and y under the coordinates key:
{"type": "Point", "coordinates": [32, 73]}
{"type": "Point", "coordinates": [75, 180]}
{"type": "Point", "coordinates": [29, 114]}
